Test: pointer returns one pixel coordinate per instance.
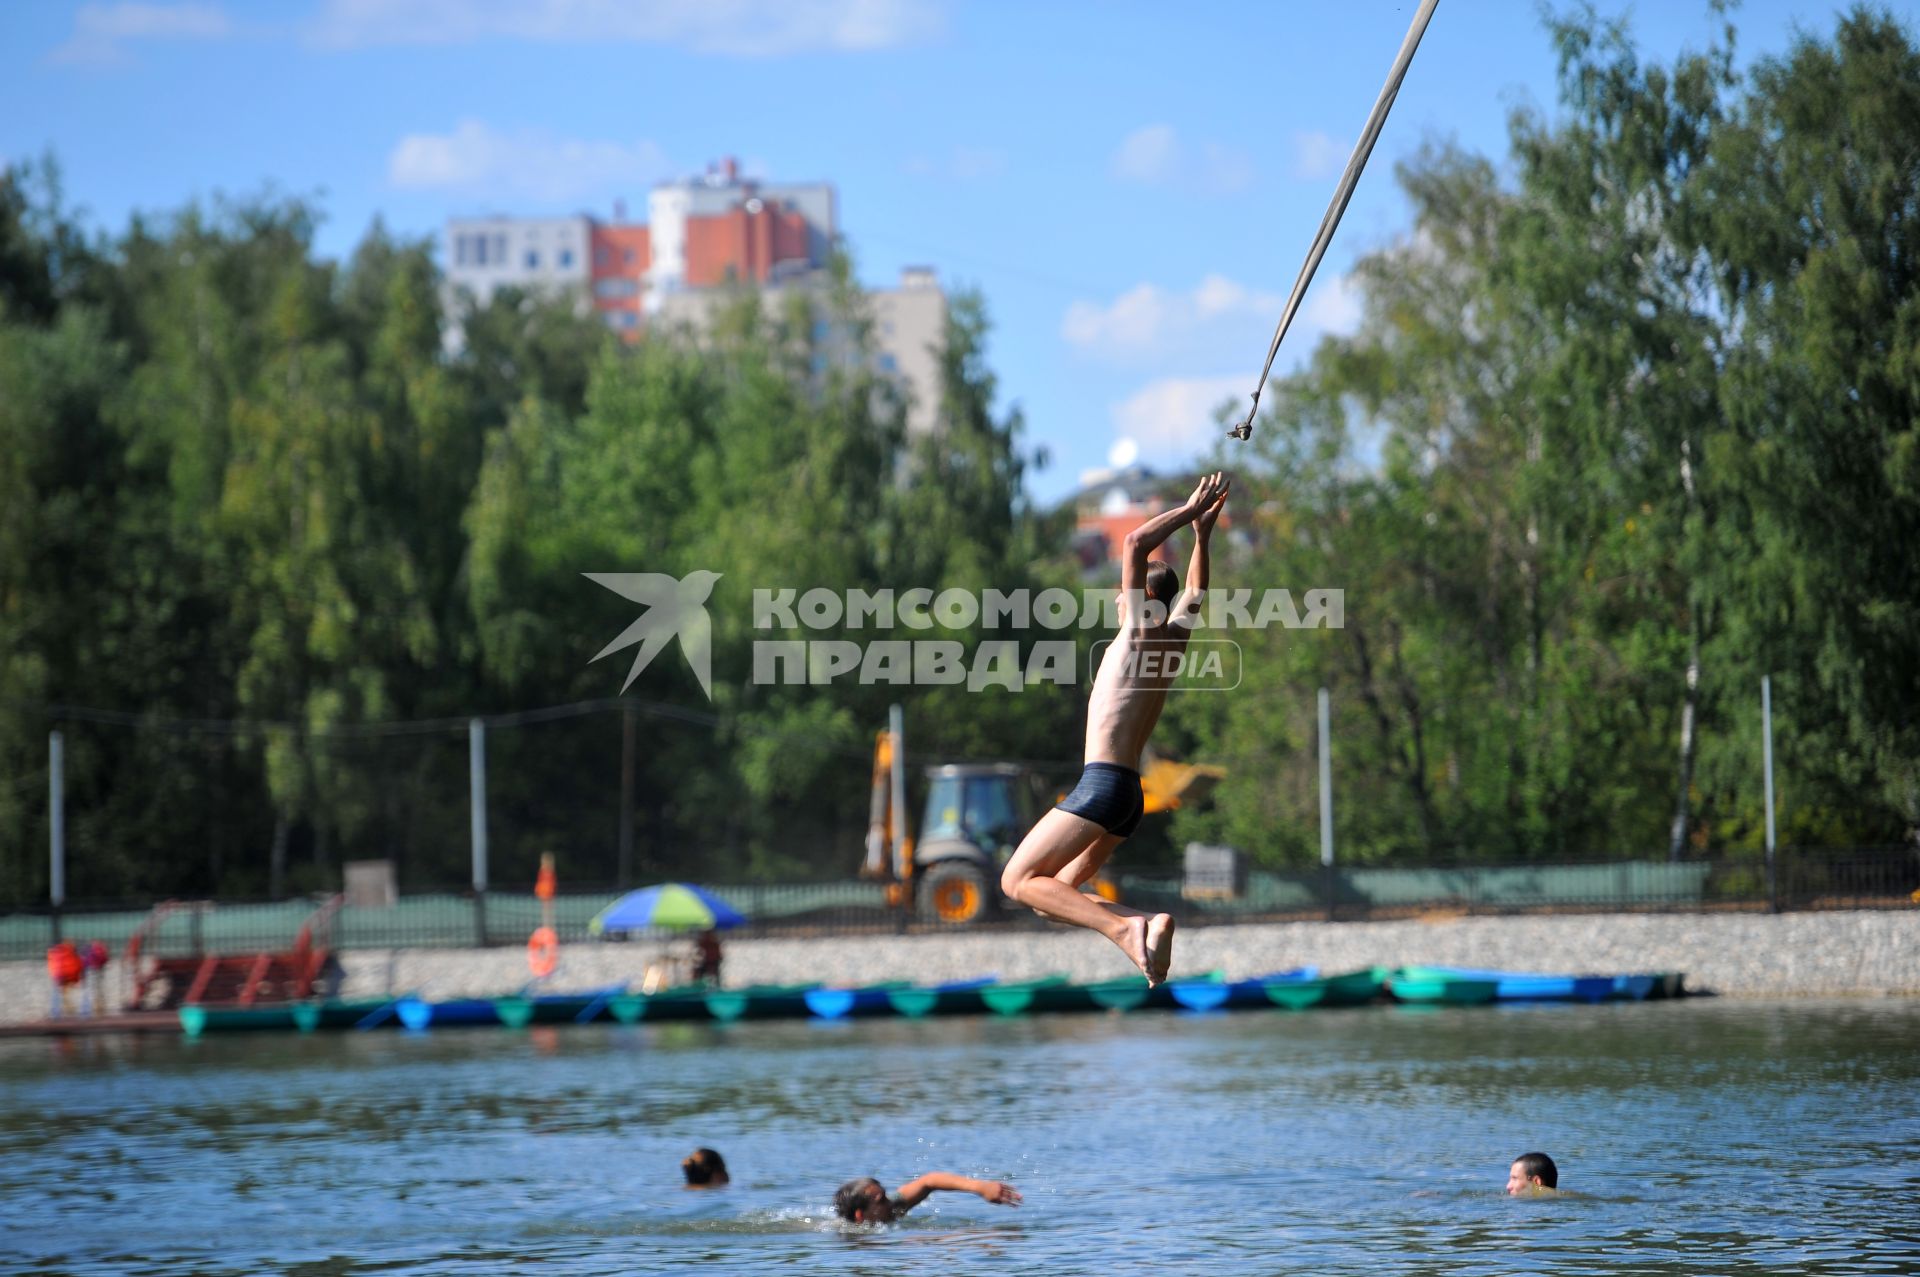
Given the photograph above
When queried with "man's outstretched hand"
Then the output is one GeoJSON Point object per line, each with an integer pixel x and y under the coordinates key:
{"type": "Point", "coordinates": [1211, 489]}
{"type": "Point", "coordinates": [1211, 515]}
{"type": "Point", "coordinates": [1000, 1194]}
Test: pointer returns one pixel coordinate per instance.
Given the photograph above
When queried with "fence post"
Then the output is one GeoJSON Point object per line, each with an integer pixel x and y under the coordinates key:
{"type": "Point", "coordinates": [624, 871]}
{"type": "Point", "coordinates": [477, 814]}
{"type": "Point", "coordinates": [56, 827]}
{"type": "Point", "coordinates": [901, 869]}
{"type": "Point", "coordinates": [1326, 806]}
{"type": "Point", "coordinates": [1766, 756]}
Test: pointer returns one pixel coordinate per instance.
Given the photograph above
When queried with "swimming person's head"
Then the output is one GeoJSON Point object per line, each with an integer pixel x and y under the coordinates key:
{"type": "Point", "coordinates": [864, 1201]}
{"type": "Point", "coordinates": [1532, 1172]}
{"type": "Point", "coordinates": [704, 1169]}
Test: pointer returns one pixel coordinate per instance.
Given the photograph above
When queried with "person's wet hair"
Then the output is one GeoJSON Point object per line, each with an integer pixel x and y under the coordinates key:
{"type": "Point", "coordinates": [704, 1166]}
{"type": "Point", "coordinates": [1532, 1164]}
{"type": "Point", "coordinates": [855, 1194]}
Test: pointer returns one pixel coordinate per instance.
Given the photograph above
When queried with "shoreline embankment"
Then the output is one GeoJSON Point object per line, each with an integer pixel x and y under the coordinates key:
{"type": "Point", "coordinates": [1837, 953]}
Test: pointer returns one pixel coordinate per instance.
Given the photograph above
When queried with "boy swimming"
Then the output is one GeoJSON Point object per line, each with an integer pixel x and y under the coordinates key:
{"type": "Point", "coordinates": [865, 1201]}
{"type": "Point", "coordinates": [1531, 1175]}
{"type": "Point", "coordinates": [704, 1168]}
{"type": "Point", "coordinates": [1070, 843]}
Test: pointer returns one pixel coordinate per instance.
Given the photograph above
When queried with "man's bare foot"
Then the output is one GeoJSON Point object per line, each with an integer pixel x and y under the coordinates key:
{"type": "Point", "coordinates": [1159, 947]}
{"type": "Point", "coordinates": [1134, 942]}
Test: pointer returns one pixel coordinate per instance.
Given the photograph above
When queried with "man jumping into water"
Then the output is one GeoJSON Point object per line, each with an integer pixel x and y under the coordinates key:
{"type": "Point", "coordinates": [1070, 843]}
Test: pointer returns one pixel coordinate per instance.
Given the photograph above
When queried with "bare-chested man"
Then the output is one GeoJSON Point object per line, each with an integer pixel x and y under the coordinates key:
{"type": "Point", "coordinates": [1070, 843]}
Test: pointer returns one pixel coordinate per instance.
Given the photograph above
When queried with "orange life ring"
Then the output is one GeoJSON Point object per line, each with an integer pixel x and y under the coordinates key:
{"type": "Point", "coordinates": [63, 963]}
{"type": "Point", "coordinates": [543, 952]}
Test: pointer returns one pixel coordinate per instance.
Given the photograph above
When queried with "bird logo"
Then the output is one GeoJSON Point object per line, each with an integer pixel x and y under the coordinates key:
{"type": "Point", "coordinates": [674, 607]}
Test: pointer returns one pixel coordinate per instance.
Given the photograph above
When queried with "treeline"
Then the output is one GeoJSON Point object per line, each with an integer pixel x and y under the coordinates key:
{"type": "Point", "coordinates": [251, 502]}
{"type": "Point", "coordinates": [1631, 421]}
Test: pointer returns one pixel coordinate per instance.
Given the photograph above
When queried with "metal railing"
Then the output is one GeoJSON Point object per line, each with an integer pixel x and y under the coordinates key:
{"type": "Point", "coordinates": [1855, 878]}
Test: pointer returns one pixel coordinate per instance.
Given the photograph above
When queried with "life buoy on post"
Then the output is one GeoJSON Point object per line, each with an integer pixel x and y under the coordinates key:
{"type": "Point", "coordinates": [543, 952]}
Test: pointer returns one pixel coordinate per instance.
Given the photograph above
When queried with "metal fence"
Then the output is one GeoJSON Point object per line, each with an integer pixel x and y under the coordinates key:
{"type": "Point", "coordinates": [1858, 878]}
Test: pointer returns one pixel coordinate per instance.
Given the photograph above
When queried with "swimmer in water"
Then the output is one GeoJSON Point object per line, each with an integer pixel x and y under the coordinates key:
{"type": "Point", "coordinates": [865, 1201]}
{"type": "Point", "coordinates": [1532, 1175]}
{"type": "Point", "coordinates": [704, 1168]}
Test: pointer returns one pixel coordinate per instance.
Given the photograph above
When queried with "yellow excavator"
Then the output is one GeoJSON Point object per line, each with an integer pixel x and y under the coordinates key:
{"type": "Point", "coordinates": [975, 815]}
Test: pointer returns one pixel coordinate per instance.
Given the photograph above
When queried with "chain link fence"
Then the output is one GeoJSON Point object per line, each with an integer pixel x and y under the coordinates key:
{"type": "Point", "coordinates": [1855, 878]}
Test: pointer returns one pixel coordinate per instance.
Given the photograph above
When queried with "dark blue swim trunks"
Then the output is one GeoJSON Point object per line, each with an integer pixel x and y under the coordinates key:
{"type": "Point", "coordinates": [1108, 795]}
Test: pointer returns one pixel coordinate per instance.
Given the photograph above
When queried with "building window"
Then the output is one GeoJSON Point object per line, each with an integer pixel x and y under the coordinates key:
{"type": "Point", "coordinates": [499, 253]}
{"type": "Point", "coordinates": [615, 288]}
{"type": "Point", "coordinates": [566, 258]}
{"type": "Point", "coordinates": [533, 259]}
{"type": "Point", "coordinates": [459, 250]}
{"type": "Point", "coordinates": [888, 364]}
{"type": "Point", "coordinates": [628, 257]}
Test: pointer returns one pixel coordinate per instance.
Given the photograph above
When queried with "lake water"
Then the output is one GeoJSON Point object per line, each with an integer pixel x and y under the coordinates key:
{"type": "Point", "coordinates": [1699, 1136]}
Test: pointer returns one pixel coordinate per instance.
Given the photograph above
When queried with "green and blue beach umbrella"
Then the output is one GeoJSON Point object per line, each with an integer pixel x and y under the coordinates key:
{"type": "Point", "coordinates": [672, 906]}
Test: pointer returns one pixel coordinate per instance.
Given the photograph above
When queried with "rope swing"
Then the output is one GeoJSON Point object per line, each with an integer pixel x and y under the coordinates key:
{"type": "Point", "coordinates": [1348, 180]}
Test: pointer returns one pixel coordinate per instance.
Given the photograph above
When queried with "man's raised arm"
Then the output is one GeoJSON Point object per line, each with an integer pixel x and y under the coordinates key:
{"type": "Point", "coordinates": [1199, 570]}
{"type": "Point", "coordinates": [1144, 539]}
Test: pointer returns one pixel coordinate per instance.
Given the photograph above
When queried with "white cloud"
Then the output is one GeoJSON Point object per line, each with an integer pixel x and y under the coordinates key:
{"type": "Point", "coordinates": [1318, 154]}
{"type": "Point", "coordinates": [1333, 304]}
{"type": "Point", "coordinates": [1221, 170]}
{"type": "Point", "coordinates": [1145, 317]}
{"type": "Point", "coordinates": [1157, 156]}
{"type": "Point", "coordinates": [961, 164]}
{"type": "Point", "coordinates": [102, 32]}
{"type": "Point", "coordinates": [736, 28]}
{"type": "Point", "coordinates": [478, 159]}
{"type": "Point", "coordinates": [971, 163]}
{"type": "Point", "coordinates": [1183, 326]}
{"type": "Point", "coordinates": [1175, 416]}
{"type": "Point", "coordinates": [1147, 155]}
{"type": "Point", "coordinates": [1132, 322]}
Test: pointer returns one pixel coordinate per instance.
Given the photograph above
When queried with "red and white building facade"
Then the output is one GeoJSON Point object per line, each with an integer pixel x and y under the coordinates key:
{"type": "Point", "coordinates": [702, 235]}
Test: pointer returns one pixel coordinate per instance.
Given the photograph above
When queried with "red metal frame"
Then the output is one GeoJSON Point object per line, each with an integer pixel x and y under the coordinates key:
{"type": "Point", "coordinates": [236, 979]}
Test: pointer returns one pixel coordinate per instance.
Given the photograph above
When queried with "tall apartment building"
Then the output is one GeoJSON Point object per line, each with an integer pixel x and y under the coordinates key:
{"type": "Point", "coordinates": [719, 229]}
{"type": "Point", "coordinates": [539, 254]}
{"type": "Point", "coordinates": [702, 235]}
{"type": "Point", "coordinates": [909, 328]}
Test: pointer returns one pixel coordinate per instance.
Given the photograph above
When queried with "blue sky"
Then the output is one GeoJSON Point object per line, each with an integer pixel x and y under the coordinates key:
{"type": "Point", "coordinates": [1131, 185]}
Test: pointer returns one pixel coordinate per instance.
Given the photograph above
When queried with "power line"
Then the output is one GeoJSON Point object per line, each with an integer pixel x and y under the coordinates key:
{"type": "Point", "coordinates": [60, 712]}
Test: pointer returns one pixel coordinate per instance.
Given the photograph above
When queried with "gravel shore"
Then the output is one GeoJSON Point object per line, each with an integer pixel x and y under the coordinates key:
{"type": "Point", "coordinates": [1741, 955]}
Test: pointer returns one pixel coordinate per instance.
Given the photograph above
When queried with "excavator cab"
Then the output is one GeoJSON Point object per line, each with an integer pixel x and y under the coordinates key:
{"type": "Point", "coordinates": [976, 814]}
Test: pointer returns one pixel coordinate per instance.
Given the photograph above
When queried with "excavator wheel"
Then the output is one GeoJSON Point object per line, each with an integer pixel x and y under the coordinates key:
{"type": "Point", "coordinates": [955, 892]}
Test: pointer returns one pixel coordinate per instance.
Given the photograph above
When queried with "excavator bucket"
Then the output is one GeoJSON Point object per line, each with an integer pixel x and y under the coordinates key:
{"type": "Point", "coordinates": [1167, 784]}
